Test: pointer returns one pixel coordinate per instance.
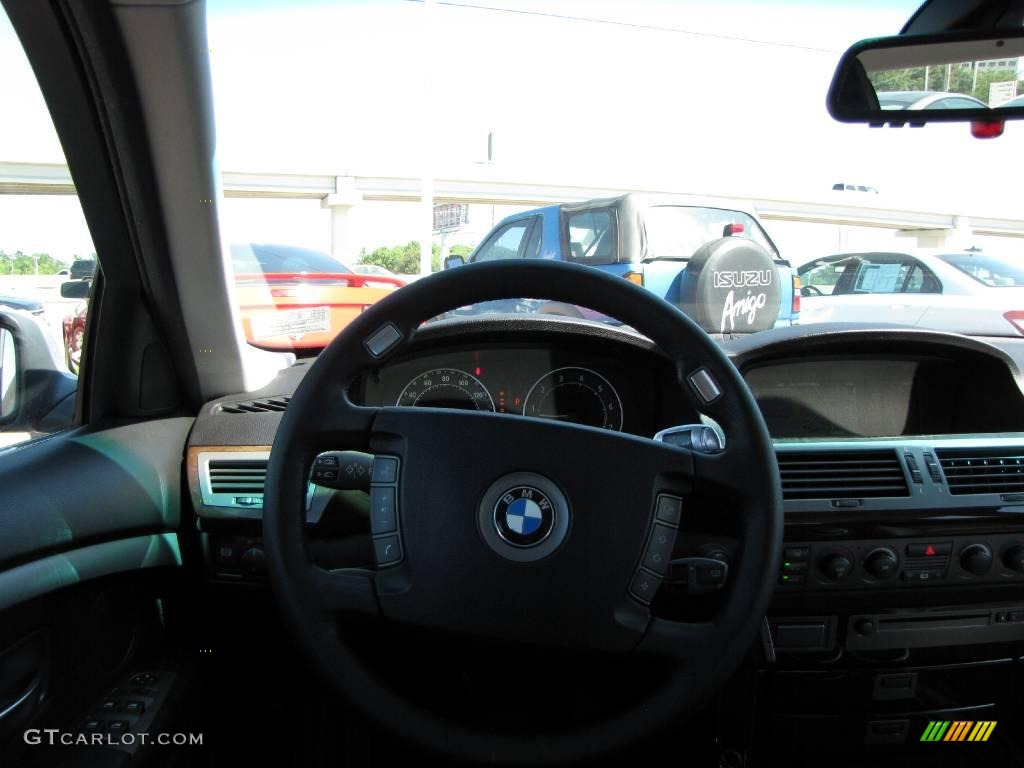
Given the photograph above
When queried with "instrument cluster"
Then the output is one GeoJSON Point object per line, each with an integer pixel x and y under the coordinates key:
{"type": "Point", "coordinates": [540, 382]}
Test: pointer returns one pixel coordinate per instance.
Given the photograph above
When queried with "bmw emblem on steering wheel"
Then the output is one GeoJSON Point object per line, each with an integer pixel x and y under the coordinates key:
{"type": "Point", "coordinates": [524, 516]}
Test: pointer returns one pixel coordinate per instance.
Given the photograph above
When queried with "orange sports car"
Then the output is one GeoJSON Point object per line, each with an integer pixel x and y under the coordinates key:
{"type": "Point", "coordinates": [299, 299]}
{"type": "Point", "coordinates": [290, 298]}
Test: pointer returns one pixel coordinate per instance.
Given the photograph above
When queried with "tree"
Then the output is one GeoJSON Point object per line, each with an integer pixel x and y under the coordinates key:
{"type": "Point", "coordinates": [19, 263]}
{"type": "Point", "coordinates": [405, 259]}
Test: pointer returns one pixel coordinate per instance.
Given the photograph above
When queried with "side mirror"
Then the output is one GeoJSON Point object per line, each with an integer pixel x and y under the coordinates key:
{"type": "Point", "coordinates": [37, 393]}
{"type": "Point", "coordinates": [454, 261]}
{"type": "Point", "coordinates": [9, 379]}
{"type": "Point", "coordinates": [920, 79]}
{"type": "Point", "coordinates": [75, 289]}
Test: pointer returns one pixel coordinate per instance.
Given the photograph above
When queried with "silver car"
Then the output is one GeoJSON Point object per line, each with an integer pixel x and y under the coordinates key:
{"type": "Point", "coordinates": [966, 292]}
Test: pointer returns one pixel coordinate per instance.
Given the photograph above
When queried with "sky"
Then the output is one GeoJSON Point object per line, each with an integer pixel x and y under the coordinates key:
{"type": "Point", "coordinates": [708, 97]}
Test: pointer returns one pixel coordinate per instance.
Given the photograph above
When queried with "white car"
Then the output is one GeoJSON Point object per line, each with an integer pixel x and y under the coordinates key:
{"type": "Point", "coordinates": [374, 269]}
{"type": "Point", "coordinates": [916, 100]}
{"type": "Point", "coordinates": [966, 292]}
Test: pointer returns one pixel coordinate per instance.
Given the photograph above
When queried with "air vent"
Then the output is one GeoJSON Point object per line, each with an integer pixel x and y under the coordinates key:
{"type": "Point", "coordinates": [242, 477]}
{"type": "Point", "coordinates": [266, 405]}
{"type": "Point", "coordinates": [232, 478]}
{"type": "Point", "coordinates": [983, 470]}
{"type": "Point", "coordinates": [841, 474]}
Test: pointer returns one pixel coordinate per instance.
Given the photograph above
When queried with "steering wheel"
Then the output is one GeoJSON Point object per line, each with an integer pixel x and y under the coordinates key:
{"type": "Point", "coordinates": [522, 539]}
{"type": "Point", "coordinates": [811, 290]}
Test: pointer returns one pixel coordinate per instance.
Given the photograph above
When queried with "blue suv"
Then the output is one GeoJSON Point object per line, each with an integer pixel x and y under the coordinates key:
{"type": "Point", "coordinates": [717, 264]}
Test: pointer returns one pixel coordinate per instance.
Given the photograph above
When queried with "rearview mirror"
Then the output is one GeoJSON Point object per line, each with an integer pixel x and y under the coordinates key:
{"type": "Point", "coordinates": [917, 79]}
{"type": "Point", "coordinates": [75, 289]}
{"type": "Point", "coordinates": [454, 261]}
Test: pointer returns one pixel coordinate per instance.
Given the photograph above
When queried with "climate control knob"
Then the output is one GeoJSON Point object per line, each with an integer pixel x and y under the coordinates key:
{"type": "Point", "coordinates": [976, 559]}
{"type": "Point", "coordinates": [881, 563]}
{"type": "Point", "coordinates": [1013, 558]}
{"type": "Point", "coordinates": [836, 566]}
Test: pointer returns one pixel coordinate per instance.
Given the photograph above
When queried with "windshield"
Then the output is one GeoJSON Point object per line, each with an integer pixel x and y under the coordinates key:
{"type": "Point", "coordinates": [676, 232]}
{"type": "Point", "coordinates": [386, 140]}
{"type": "Point", "coordinates": [988, 270]}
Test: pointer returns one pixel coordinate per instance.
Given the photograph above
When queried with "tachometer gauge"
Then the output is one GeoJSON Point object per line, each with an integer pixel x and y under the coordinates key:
{"type": "Point", "coordinates": [446, 388]}
{"type": "Point", "coordinates": [578, 395]}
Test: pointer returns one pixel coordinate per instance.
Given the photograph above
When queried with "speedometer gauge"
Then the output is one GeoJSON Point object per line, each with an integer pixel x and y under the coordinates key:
{"type": "Point", "coordinates": [578, 395]}
{"type": "Point", "coordinates": [446, 388]}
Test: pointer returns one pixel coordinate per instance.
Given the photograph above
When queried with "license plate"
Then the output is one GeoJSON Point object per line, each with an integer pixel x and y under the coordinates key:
{"type": "Point", "coordinates": [291, 322]}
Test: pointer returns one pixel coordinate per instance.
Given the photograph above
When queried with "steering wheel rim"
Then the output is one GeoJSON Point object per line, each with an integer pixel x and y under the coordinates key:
{"type": "Point", "coordinates": [745, 474]}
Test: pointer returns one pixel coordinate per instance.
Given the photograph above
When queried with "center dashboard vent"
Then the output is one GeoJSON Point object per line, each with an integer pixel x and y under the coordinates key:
{"type": "Point", "coordinates": [841, 474]}
{"type": "Point", "coordinates": [983, 470]}
{"type": "Point", "coordinates": [264, 405]}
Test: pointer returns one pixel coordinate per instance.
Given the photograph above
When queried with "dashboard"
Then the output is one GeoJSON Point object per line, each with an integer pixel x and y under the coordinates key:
{"type": "Point", "coordinates": [901, 458]}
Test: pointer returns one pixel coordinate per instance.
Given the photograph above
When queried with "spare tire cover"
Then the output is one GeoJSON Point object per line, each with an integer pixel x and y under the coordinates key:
{"type": "Point", "coordinates": [731, 285]}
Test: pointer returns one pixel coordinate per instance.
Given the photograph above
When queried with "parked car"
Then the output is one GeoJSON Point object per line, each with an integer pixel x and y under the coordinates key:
{"type": "Point", "coordinates": [966, 291]}
{"type": "Point", "coordinates": [290, 298]}
{"type": "Point", "coordinates": [376, 269]}
{"type": "Point", "coordinates": [914, 100]}
{"type": "Point", "coordinates": [717, 264]}
{"type": "Point", "coordinates": [82, 269]}
{"type": "Point", "coordinates": [73, 328]}
{"type": "Point", "coordinates": [298, 298]}
{"type": "Point", "coordinates": [32, 306]}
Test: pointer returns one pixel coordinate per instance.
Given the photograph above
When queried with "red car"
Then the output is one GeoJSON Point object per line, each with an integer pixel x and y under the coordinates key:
{"type": "Point", "coordinates": [289, 298]}
{"type": "Point", "coordinates": [74, 334]}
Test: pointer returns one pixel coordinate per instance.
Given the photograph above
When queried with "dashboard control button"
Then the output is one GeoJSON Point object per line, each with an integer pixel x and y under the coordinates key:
{"type": "Point", "coordinates": [705, 385]}
{"type": "Point", "coordinates": [933, 468]}
{"type": "Point", "coordinates": [118, 727]}
{"type": "Point", "coordinates": [253, 562]}
{"type": "Point", "coordinates": [645, 586]}
{"type": "Point", "coordinates": [915, 470]}
{"type": "Point", "coordinates": [836, 567]}
{"type": "Point", "coordinates": [225, 553]}
{"type": "Point", "coordinates": [793, 578]}
{"type": "Point", "coordinates": [881, 563]}
{"type": "Point", "coordinates": [797, 567]}
{"type": "Point", "coordinates": [864, 627]}
{"type": "Point", "coordinates": [385, 469]}
{"type": "Point", "coordinates": [383, 510]}
{"type": "Point", "coordinates": [1013, 558]}
{"type": "Point", "coordinates": [134, 707]}
{"type": "Point", "coordinates": [929, 550]}
{"type": "Point", "coordinates": [669, 509]}
{"type": "Point", "coordinates": [923, 574]}
{"type": "Point", "coordinates": [382, 340]}
{"type": "Point", "coordinates": [711, 575]}
{"type": "Point", "coordinates": [109, 705]}
{"type": "Point", "coordinates": [93, 725]}
{"type": "Point", "coordinates": [387, 550]}
{"type": "Point", "coordinates": [976, 559]}
{"type": "Point", "coordinates": [659, 549]}
{"type": "Point", "coordinates": [796, 553]}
